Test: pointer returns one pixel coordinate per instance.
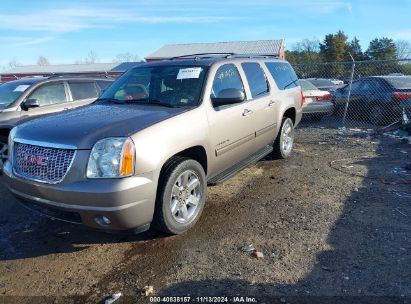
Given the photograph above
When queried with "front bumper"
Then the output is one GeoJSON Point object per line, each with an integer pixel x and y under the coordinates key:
{"type": "Point", "coordinates": [127, 202]}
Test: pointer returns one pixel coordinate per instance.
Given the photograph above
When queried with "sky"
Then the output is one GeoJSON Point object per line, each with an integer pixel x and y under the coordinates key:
{"type": "Point", "coordinates": [66, 31]}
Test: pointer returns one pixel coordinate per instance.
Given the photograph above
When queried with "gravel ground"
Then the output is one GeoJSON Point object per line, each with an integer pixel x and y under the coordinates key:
{"type": "Point", "coordinates": [333, 223]}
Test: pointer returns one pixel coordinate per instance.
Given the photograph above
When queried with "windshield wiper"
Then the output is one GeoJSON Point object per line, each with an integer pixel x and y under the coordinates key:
{"type": "Point", "coordinates": [153, 102]}
{"type": "Point", "coordinates": [292, 82]}
{"type": "Point", "coordinates": [110, 100]}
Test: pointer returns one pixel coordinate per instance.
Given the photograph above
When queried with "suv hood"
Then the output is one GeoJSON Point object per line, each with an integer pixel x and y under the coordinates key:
{"type": "Point", "coordinates": [83, 127]}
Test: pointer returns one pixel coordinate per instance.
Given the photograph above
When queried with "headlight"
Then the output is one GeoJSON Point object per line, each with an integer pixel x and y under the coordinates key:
{"type": "Point", "coordinates": [12, 134]}
{"type": "Point", "coordinates": [111, 157]}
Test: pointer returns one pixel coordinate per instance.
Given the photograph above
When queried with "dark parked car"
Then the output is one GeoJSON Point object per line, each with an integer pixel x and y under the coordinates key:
{"type": "Point", "coordinates": [376, 98]}
{"type": "Point", "coordinates": [28, 98]}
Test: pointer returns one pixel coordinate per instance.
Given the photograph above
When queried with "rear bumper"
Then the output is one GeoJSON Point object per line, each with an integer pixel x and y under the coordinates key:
{"type": "Point", "coordinates": [298, 117]}
{"type": "Point", "coordinates": [128, 203]}
{"type": "Point", "coordinates": [319, 107]}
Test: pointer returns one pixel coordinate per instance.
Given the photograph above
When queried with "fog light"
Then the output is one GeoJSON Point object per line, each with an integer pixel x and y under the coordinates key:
{"type": "Point", "coordinates": [102, 220]}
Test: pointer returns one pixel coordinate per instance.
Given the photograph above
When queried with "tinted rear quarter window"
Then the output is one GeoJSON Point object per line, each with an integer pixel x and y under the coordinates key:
{"type": "Point", "coordinates": [83, 90]}
{"type": "Point", "coordinates": [283, 75]}
{"type": "Point", "coordinates": [256, 78]}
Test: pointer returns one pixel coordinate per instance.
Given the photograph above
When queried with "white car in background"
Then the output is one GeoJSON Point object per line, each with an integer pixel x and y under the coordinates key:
{"type": "Point", "coordinates": [318, 103]}
{"type": "Point", "coordinates": [328, 84]}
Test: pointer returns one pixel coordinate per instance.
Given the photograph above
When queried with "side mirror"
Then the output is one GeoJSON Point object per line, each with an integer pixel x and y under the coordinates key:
{"type": "Point", "coordinates": [30, 103]}
{"type": "Point", "coordinates": [227, 97]}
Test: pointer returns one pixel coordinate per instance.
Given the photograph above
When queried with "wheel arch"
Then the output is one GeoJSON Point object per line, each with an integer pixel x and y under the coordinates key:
{"type": "Point", "coordinates": [5, 131]}
{"type": "Point", "coordinates": [197, 153]}
{"type": "Point", "coordinates": [290, 113]}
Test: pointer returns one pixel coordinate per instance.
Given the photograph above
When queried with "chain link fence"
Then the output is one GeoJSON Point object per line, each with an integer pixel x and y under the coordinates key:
{"type": "Point", "coordinates": [356, 94]}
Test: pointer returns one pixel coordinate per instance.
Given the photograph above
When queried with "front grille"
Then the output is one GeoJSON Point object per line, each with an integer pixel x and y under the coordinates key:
{"type": "Point", "coordinates": [42, 164]}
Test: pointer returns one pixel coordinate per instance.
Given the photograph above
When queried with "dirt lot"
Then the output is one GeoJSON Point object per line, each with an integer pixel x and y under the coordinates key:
{"type": "Point", "coordinates": [333, 220]}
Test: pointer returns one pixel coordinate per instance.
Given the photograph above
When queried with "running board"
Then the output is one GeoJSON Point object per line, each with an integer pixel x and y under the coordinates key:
{"type": "Point", "coordinates": [246, 162]}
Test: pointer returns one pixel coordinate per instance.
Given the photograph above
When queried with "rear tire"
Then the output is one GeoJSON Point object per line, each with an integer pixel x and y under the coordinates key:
{"type": "Point", "coordinates": [284, 142]}
{"type": "Point", "coordinates": [317, 117]}
{"type": "Point", "coordinates": [376, 115]}
{"type": "Point", "coordinates": [181, 195]}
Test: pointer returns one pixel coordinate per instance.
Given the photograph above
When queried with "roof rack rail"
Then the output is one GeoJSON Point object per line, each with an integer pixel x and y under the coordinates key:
{"type": "Point", "coordinates": [255, 56]}
{"type": "Point", "coordinates": [81, 75]}
{"type": "Point", "coordinates": [199, 55]}
{"type": "Point", "coordinates": [224, 55]}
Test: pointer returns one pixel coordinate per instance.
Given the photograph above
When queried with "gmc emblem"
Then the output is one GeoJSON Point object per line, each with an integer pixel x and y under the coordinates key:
{"type": "Point", "coordinates": [38, 160]}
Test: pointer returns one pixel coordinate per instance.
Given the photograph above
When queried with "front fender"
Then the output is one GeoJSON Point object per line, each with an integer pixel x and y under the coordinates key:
{"type": "Point", "coordinates": [158, 143]}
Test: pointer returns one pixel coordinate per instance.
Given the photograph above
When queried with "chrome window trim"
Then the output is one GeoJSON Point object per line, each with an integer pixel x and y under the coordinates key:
{"type": "Point", "coordinates": [44, 144]}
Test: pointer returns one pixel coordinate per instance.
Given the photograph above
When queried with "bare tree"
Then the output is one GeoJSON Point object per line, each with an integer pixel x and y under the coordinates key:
{"type": "Point", "coordinates": [13, 63]}
{"type": "Point", "coordinates": [307, 45]}
{"type": "Point", "coordinates": [43, 61]}
{"type": "Point", "coordinates": [90, 58]}
{"type": "Point", "coordinates": [126, 57]}
{"type": "Point", "coordinates": [308, 50]}
{"type": "Point", "coordinates": [403, 49]}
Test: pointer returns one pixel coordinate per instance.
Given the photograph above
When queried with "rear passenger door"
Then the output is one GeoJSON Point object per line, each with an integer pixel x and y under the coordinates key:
{"type": "Point", "coordinates": [261, 103]}
{"type": "Point", "coordinates": [83, 92]}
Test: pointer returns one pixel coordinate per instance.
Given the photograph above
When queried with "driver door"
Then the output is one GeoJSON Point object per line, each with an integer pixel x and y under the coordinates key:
{"type": "Point", "coordinates": [232, 135]}
{"type": "Point", "coordinates": [52, 97]}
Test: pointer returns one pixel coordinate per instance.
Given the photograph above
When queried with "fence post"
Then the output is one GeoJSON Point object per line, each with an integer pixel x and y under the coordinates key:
{"type": "Point", "coordinates": [349, 90]}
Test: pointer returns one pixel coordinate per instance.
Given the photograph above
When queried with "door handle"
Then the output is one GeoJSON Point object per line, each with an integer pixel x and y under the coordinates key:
{"type": "Point", "coordinates": [65, 109]}
{"type": "Point", "coordinates": [247, 112]}
{"type": "Point", "coordinates": [271, 103]}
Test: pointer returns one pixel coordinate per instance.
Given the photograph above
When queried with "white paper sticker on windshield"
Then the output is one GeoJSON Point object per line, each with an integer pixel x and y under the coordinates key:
{"type": "Point", "coordinates": [189, 73]}
{"type": "Point", "coordinates": [21, 88]}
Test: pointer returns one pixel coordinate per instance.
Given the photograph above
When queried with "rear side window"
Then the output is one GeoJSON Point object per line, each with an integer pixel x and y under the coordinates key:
{"type": "Point", "coordinates": [256, 78]}
{"type": "Point", "coordinates": [283, 74]}
{"type": "Point", "coordinates": [83, 90]}
{"type": "Point", "coordinates": [226, 77]}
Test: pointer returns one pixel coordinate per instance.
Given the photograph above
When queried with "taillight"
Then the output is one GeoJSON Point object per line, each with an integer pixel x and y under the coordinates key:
{"type": "Point", "coordinates": [326, 96]}
{"type": "Point", "coordinates": [402, 95]}
{"type": "Point", "coordinates": [302, 98]}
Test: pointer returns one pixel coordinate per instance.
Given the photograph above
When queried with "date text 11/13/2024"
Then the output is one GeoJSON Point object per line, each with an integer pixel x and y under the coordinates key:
{"type": "Point", "coordinates": [205, 299]}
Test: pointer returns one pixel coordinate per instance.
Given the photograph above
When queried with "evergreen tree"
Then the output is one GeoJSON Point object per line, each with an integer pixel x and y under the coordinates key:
{"type": "Point", "coordinates": [354, 48]}
{"type": "Point", "coordinates": [334, 47]}
{"type": "Point", "coordinates": [382, 49]}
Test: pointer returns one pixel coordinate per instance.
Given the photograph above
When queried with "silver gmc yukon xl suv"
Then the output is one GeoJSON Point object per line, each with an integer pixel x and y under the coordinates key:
{"type": "Point", "coordinates": [146, 150]}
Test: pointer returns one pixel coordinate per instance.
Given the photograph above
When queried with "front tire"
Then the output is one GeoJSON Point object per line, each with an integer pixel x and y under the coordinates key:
{"type": "Point", "coordinates": [4, 153]}
{"type": "Point", "coordinates": [181, 195]}
{"type": "Point", "coordinates": [284, 142]}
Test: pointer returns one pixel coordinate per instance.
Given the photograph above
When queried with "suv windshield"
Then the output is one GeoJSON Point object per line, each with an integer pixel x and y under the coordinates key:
{"type": "Point", "coordinates": [173, 86]}
{"type": "Point", "coordinates": [10, 91]}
